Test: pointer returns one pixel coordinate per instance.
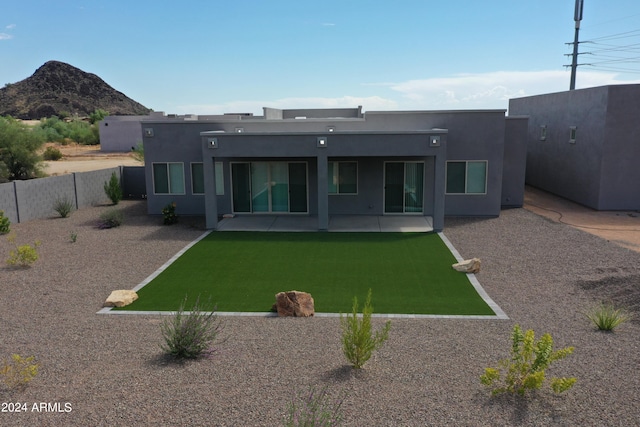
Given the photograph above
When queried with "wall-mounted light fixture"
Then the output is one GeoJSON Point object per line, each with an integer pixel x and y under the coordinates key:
{"type": "Point", "coordinates": [321, 141]}
{"type": "Point", "coordinates": [543, 132]}
{"type": "Point", "coordinates": [434, 141]}
{"type": "Point", "coordinates": [148, 132]}
{"type": "Point", "coordinates": [239, 130]}
{"type": "Point", "coordinates": [212, 142]}
{"type": "Point", "coordinates": [331, 129]}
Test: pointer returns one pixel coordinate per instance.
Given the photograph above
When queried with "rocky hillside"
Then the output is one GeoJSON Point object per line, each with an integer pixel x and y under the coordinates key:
{"type": "Point", "coordinates": [57, 88]}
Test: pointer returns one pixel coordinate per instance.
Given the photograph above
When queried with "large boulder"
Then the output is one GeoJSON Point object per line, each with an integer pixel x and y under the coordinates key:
{"type": "Point", "coordinates": [468, 265]}
{"type": "Point", "coordinates": [294, 303]}
{"type": "Point", "coordinates": [120, 298]}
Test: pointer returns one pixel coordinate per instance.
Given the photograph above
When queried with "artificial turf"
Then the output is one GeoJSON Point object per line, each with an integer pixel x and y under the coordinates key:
{"type": "Point", "coordinates": [409, 273]}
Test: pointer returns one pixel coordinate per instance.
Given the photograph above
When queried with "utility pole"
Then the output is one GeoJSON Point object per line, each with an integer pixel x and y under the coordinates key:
{"type": "Point", "coordinates": [577, 17]}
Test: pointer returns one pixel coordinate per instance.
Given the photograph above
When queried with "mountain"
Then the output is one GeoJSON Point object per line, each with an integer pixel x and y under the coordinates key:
{"type": "Point", "coordinates": [57, 88]}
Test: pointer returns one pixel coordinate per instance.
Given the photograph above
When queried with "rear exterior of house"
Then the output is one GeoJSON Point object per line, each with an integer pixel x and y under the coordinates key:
{"type": "Point", "coordinates": [336, 162]}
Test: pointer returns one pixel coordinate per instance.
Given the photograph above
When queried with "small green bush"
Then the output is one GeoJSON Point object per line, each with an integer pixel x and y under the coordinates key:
{"type": "Point", "coordinates": [52, 153]}
{"type": "Point", "coordinates": [316, 408]}
{"type": "Point", "coordinates": [606, 317]}
{"type": "Point", "coordinates": [23, 255]}
{"type": "Point", "coordinates": [5, 224]}
{"type": "Point", "coordinates": [169, 214]}
{"type": "Point", "coordinates": [19, 371]}
{"type": "Point", "coordinates": [63, 206]}
{"type": "Point", "coordinates": [358, 343]}
{"type": "Point", "coordinates": [191, 335]}
{"type": "Point", "coordinates": [526, 368]}
{"type": "Point", "coordinates": [137, 152]}
{"type": "Point", "coordinates": [113, 190]}
{"type": "Point", "coordinates": [73, 237]}
{"type": "Point", "coordinates": [110, 219]}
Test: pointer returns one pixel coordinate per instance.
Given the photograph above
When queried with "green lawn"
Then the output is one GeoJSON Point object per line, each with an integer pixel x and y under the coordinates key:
{"type": "Point", "coordinates": [408, 273]}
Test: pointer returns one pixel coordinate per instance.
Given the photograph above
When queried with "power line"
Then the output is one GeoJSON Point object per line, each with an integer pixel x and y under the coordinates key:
{"type": "Point", "coordinates": [609, 52]}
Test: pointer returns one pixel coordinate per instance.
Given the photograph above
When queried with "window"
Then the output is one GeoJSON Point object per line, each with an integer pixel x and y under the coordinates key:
{"type": "Point", "coordinates": [467, 177]}
{"type": "Point", "coordinates": [343, 177]}
{"type": "Point", "coordinates": [197, 178]}
{"type": "Point", "coordinates": [168, 178]}
{"type": "Point", "coordinates": [543, 133]}
{"type": "Point", "coordinates": [572, 134]}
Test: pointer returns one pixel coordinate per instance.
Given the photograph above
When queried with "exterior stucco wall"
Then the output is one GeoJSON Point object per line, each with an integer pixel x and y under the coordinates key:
{"type": "Point", "coordinates": [620, 174]}
{"type": "Point", "coordinates": [599, 169]}
{"type": "Point", "coordinates": [174, 142]}
{"type": "Point", "coordinates": [515, 159]}
{"type": "Point", "coordinates": [120, 133]}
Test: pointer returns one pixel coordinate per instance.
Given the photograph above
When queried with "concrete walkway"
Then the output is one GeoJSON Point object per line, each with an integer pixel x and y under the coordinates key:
{"type": "Point", "coordinates": [337, 223]}
{"type": "Point", "coordinates": [619, 227]}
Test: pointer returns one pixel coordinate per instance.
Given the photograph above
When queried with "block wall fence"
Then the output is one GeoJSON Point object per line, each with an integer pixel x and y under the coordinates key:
{"type": "Point", "coordinates": [32, 199]}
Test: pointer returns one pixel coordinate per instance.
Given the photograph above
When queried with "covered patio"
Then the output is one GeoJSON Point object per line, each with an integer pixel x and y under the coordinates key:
{"type": "Point", "coordinates": [337, 223]}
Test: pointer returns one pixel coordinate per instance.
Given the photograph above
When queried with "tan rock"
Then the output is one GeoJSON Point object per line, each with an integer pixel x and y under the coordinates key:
{"type": "Point", "coordinates": [468, 266]}
{"type": "Point", "coordinates": [294, 303]}
{"type": "Point", "coordinates": [120, 298]}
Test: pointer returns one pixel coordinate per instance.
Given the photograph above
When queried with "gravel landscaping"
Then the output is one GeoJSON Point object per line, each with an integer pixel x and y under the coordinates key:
{"type": "Point", "coordinates": [108, 370]}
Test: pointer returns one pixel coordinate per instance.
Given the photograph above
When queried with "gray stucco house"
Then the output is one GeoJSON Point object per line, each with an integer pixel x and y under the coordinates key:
{"type": "Point", "coordinates": [584, 145]}
{"type": "Point", "coordinates": [323, 162]}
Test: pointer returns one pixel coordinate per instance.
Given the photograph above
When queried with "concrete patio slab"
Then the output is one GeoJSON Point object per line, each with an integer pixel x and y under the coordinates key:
{"type": "Point", "coordinates": [247, 223]}
{"type": "Point", "coordinates": [337, 223]}
{"type": "Point", "coordinates": [405, 224]}
{"type": "Point", "coordinates": [351, 223]}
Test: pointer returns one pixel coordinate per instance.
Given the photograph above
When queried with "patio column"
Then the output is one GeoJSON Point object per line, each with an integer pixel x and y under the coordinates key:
{"type": "Point", "coordinates": [439, 190]}
{"type": "Point", "coordinates": [210, 197]}
{"type": "Point", "coordinates": [323, 190]}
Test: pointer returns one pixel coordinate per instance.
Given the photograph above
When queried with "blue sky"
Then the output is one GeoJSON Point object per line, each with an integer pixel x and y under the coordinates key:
{"type": "Point", "coordinates": [210, 57]}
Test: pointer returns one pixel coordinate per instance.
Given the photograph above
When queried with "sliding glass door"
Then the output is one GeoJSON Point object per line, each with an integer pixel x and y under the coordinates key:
{"type": "Point", "coordinates": [403, 187]}
{"type": "Point", "coordinates": [269, 187]}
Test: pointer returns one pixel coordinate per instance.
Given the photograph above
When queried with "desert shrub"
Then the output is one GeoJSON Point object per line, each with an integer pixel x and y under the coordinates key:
{"type": "Point", "coordinates": [526, 368]}
{"type": "Point", "coordinates": [18, 371]}
{"type": "Point", "coordinates": [97, 116]}
{"type": "Point", "coordinates": [110, 219]}
{"type": "Point", "coordinates": [606, 317]}
{"type": "Point", "coordinates": [137, 152]}
{"type": "Point", "coordinates": [63, 206]}
{"type": "Point", "coordinates": [316, 408]}
{"type": "Point", "coordinates": [52, 153]}
{"type": "Point", "coordinates": [191, 335]}
{"type": "Point", "coordinates": [22, 255]}
{"type": "Point", "coordinates": [83, 132]}
{"type": "Point", "coordinates": [52, 129]}
{"type": "Point", "coordinates": [358, 342]}
{"type": "Point", "coordinates": [19, 147]}
{"type": "Point", "coordinates": [112, 189]}
{"type": "Point", "coordinates": [73, 237]}
{"type": "Point", "coordinates": [169, 215]}
{"type": "Point", "coordinates": [5, 224]}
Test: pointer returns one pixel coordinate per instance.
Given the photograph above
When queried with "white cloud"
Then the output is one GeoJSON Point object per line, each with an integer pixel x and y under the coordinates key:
{"type": "Point", "coordinates": [6, 36]}
{"type": "Point", "coordinates": [458, 92]}
{"type": "Point", "coordinates": [492, 90]}
{"type": "Point", "coordinates": [255, 107]}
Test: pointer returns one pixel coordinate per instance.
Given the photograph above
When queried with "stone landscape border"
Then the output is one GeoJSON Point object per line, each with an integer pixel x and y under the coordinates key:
{"type": "Point", "coordinates": [499, 314]}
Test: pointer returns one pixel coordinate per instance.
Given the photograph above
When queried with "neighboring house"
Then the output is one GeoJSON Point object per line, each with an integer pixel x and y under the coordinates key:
{"type": "Point", "coordinates": [324, 162]}
{"type": "Point", "coordinates": [584, 145]}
